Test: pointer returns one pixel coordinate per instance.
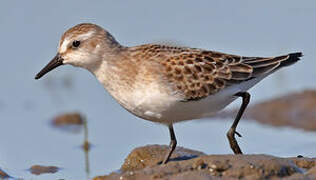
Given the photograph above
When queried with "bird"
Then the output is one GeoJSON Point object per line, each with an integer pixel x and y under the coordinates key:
{"type": "Point", "coordinates": [166, 84]}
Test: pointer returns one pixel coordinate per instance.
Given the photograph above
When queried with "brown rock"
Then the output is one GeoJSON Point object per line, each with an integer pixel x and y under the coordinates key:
{"type": "Point", "coordinates": [296, 110]}
{"type": "Point", "coordinates": [142, 163]}
{"type": "Point", "coordinates": [69, 122]}
{"type": "Point", "coordinates": [37, 169]}
{"type": "Point", "coordinates": [68, 119]}
{"type": "Point", "coordinates": [153, 154]}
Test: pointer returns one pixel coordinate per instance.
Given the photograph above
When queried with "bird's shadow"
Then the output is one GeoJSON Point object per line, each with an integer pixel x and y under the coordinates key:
{"type": "Point", "coordinates": [180, 158]}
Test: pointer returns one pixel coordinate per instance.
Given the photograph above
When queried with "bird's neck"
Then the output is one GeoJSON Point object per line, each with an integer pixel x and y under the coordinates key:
{"type": "Point", "coordinates": [116, 72]}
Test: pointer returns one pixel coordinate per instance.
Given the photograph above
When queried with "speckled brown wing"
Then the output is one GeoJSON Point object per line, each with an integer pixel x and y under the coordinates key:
{"type": "Point", "coordinates": [198, 74]}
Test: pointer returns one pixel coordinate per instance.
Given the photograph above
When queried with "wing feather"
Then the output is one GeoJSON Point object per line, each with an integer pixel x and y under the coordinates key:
{"type": "Point", "coordinates": [197, 73]}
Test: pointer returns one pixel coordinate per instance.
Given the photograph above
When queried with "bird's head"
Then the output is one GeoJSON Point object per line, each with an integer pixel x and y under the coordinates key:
{"type": "Point", "coordinates": [84, 45]}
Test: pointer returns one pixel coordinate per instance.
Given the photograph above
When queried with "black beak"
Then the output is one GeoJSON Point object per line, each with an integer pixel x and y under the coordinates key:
{"type": "Point", "coordinates": [55, 62]}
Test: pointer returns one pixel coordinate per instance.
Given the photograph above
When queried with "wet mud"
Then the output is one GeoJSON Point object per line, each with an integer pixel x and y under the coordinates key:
{"type": "Point", "coordinates": [186, 164]}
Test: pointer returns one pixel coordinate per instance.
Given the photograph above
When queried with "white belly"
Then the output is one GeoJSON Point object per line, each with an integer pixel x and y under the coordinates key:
{"type": "Point", "coordinates": [167, 109]}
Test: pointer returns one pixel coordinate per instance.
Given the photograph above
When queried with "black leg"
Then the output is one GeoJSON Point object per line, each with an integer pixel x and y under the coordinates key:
{"type": "Point", "coordinates": [172, 146]}
{"type": "Point", "coordinates": [232, 131]}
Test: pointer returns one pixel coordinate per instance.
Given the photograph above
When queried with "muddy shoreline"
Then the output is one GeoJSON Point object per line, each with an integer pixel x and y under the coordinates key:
{"type": "Point", "coordinates": [144, 163]}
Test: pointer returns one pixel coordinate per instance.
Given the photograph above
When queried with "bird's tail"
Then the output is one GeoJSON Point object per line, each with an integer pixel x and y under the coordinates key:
{"type": "Point", "coordinates": [292, 58]}
{"type": "Point", "coordinates": [263, 66]}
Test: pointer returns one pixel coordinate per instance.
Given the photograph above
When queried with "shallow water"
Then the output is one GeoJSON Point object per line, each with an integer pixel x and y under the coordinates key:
{"type": "Point", "coordinates": [110, 148]}
{"type": "Point", "coordinates": [31, 33]}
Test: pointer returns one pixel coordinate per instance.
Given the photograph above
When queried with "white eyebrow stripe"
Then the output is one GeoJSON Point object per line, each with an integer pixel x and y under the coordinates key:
{"type": "Point", "coordinates": [85, 35]}
{"type": "Point", "coordinates": [64, 45]}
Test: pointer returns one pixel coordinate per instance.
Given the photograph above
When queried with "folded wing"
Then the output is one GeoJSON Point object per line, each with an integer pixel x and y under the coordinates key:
{"type": "Point", "coordinates": [198, 74]}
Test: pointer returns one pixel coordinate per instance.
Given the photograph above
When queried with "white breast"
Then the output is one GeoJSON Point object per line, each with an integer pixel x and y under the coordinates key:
{"type": "Point", "coordinates": [149, 101]}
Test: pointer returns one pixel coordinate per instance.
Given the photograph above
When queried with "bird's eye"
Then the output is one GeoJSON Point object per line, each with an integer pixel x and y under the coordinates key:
{"type": "Point", "coordinates": [76, 43]}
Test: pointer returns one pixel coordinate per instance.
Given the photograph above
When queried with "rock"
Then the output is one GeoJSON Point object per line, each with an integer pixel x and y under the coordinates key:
{"type": "Point", "coordinates": [68, 119]}
{"type": "Point", "coordinates": [69, 122]}
{"type": "Point", "coordinates": [143, 163]}
{"type": "Point", "coordinates": [38, 169]}
{"type": "Point", "coordinates": [152, 155]}
{"type": "Point", "coordinates": [296, 110]}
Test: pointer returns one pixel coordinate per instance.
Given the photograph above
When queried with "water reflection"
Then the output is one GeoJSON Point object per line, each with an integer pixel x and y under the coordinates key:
{"type": "Point", "coordinates": [86, 148]}
{"type": "Point", "coordinates": [74, 123]}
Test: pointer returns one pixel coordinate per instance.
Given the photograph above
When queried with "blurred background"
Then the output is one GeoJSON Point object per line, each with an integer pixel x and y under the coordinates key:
{"type": "Point", "coordinates": [30, 31]}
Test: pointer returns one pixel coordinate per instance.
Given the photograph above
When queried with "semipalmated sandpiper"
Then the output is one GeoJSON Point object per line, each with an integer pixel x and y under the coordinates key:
{"type": "Point", "coordinates": [166, 84]}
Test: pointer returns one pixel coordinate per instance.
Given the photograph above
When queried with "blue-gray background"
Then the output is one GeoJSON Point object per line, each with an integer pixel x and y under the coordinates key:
{"type": "Point", "coordinates": [30, 31]}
